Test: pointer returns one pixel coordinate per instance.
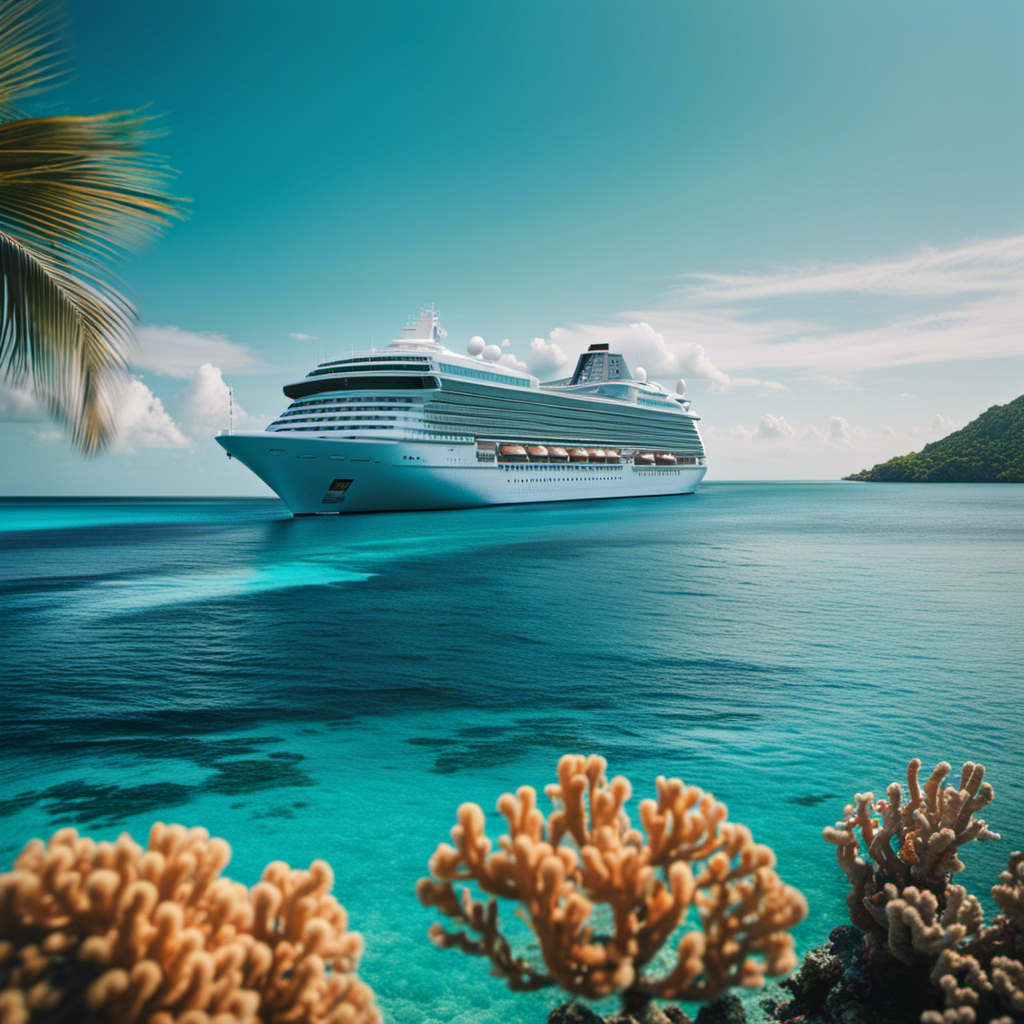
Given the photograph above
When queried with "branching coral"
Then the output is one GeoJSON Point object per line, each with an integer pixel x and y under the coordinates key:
{"type": "Point", "coordinates": [584, 855]}
{"type": "Point", "coordinates": [914, 843]}
{"type": "Point", "coordinates": [916, 921]}
{"type": "Point", "coordinates": [109, 932]}
{"type": "Point", "coordinates": [1008, 892]}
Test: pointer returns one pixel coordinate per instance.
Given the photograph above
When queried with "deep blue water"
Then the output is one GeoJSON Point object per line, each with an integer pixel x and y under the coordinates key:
{"type": "Point", "coordinates": [336, 687]}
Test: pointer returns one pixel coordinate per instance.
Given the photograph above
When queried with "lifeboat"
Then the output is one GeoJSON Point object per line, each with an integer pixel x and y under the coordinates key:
{"type": "Point", "coordinates": [664, 459]}
{"type": "Point", "coordinates": [537, 453]}
{"type": "Point", "coordinates": [643, 459]}
{"type": "Point", "coordinates": [595, 454]}
{"type": "Point", "coordinates": [512, 453]}
{"type": "Point", "coordinates": [556, 454]}
{"type": "Point", "coordinates": [578, 455]}
{"type": "Point", "coordinates": [612, 454]}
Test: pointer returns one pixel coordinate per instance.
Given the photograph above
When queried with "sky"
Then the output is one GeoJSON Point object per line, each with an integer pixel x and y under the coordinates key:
{"type": "Point", "coordinates": [812, 212]}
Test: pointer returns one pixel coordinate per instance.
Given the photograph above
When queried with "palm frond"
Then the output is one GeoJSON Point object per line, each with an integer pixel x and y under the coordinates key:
{"type": "Point", "coordinates": [65, 335]}
{"type": "Point", "coordinates": [84, 185]}
{"type": "Point", "coordinates": [76, 193]}
{"type": "Point", "coordinates": [32, 54]}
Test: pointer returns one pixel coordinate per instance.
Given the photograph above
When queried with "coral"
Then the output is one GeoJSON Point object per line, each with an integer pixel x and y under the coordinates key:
{"type": "Point", "coordinates": [109, 932]}
{"type": "Point", "coordinates": [908, 844]}
{"type": "Point", "coordinates": [585, 861]}
{"type": "Point", "coordinates": [916, 928]}
{"type": "Point", "coordinates": [1008, 892]}
{"type": "Point", "coordinates": [925, 939]}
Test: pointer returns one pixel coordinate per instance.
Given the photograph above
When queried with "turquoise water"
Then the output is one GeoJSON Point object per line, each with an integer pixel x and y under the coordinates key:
{"type": "Point", "coordinates": [336, 687]}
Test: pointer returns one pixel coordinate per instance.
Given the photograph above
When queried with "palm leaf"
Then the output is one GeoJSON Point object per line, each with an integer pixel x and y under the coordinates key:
{"type": "Point", "coordinates": [32, 55]}
{"type": "Point", "coordinates": [67, 338]}
{"type": "Point", "coordinates": [76, 193]}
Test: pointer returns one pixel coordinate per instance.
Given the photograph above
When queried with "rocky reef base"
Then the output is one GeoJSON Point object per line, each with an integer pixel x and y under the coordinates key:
{"type": "Point", "coordinates": [834, 985]}
{"type": "Point", "coordinates": [727, 1010]}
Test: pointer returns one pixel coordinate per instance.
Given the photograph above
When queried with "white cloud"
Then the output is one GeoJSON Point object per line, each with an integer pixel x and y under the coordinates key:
{"type": "Point", "coordinates": [302, 337]}
{"type": "Point", "coordinates": [48, 436]}
{"type": "Point", "coordinates": [203, 405]}
{"type": "Point", "coordinates": [142, 422]}
{"type": "Point", "coordinates": [931, 305]}
{"type": "Point", "coordinates": [942, 425]}
{"type": "Point", "coordinates": [18, 404]}
{"type": "Point", "coordinates": [174, 352]}
{"type": "Point", "coordinates": [546, 357]}
{"type": "Point", "coordinates": [772, 427]}
{"type": "Point", "coordinates": [838, 428]}
{"type": "Point", "coordinates": [509, 359]}
{"type": "Point", "coordinates": [642, 345]}
{"type": "Point", "coordinates": [505, 343]}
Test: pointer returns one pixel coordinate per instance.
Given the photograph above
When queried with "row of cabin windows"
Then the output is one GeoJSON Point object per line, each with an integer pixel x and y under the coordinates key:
{"type": "Point", "coordinates": [498, 378]}
{"type": "Point", "coordinates": [310, 403]}
{"type": "Point", "coordinates": [357, 360]}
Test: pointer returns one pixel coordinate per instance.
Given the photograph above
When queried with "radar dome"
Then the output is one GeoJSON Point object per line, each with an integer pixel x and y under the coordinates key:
{"type": "Point", "coordinates": [680, 387]}
{"type": "Point", "coordinates": [476, 345]}
{"type": "Point", "coordinates": [640, 374]}
{"type": "Point", "coordinates": [492, 353]}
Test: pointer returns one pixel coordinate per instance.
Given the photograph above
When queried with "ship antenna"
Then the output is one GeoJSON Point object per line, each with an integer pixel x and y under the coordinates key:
{"type": "Point", "coordinates": [231, 410]}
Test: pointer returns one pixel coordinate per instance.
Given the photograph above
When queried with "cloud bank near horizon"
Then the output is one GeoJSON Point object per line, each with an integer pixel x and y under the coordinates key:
{"type": "Point", "coordinates": [828, 322]}
{"type": "Point", "coordinates": [832, 320]}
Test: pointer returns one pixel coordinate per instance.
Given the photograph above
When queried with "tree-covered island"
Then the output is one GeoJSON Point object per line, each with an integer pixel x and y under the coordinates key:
{"type": "Point", "coordinates": [989, 450]}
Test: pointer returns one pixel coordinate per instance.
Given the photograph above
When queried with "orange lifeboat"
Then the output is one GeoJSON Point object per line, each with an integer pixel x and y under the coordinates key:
{"type": "Point", "coordinates": [578, 455]}
{"type": "Point", "coordinates": [512, 453]}
{"type": "Point", "coordinates": [643, 459]}
{"type": "Point", "coordinates": [537, 453]}
{"type": "Point", "coordinates": [612, 454]}
{"type": "Point", "coordinates": [595, 454]}
{"type": "Point", "coordinates": [556, 454]}
{"type": "Point", "coordinates": [664, 459]}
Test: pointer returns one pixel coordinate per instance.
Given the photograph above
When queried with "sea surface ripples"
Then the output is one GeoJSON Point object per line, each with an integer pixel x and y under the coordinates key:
{"type": "Point", "coordinates": [335, 687]}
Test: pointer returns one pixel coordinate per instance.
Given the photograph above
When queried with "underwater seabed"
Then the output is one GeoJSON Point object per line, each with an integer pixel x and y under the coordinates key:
{"type": "Point", "coordinates": [336, 688]}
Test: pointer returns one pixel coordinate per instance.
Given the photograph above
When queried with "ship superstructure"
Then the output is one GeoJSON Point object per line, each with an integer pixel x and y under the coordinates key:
{"type": "Point", "coordinates": [414, 425]}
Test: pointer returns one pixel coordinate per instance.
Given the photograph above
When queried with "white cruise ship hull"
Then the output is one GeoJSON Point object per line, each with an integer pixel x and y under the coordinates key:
{"type": "Point", "coordinates": [321, 476]}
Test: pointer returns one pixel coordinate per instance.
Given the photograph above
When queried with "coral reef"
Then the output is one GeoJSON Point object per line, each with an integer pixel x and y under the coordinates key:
{"type": "Point", "coordinates": [922, 951]}
{"type": "Point", "coordinates": [584, 867]}
{"type": "Point", "coordinates": [110, 932]}
{"type": "Point", "coordinates": [912, 843]}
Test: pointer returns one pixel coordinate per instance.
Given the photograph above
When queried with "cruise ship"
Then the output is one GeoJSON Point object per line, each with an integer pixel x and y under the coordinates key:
{"type": "Point", "coordinates": [414, 425]}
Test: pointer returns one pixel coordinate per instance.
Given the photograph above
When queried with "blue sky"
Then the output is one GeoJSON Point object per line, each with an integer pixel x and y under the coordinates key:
{"type": "Point", "coordinates": [811, 211]}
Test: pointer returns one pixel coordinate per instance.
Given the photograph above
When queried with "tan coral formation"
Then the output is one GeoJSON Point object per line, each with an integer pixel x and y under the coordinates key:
{"type": "Point", "coordinates": [913, 843]}
{"type": "Point", "coordinates": [901, 894]}
{"type": "Point", "coordinates": [584, 855]}
{"type": "Point", "coordinates": [110, 932]}
{"type": "Point", "coordinates": [1008, 892]}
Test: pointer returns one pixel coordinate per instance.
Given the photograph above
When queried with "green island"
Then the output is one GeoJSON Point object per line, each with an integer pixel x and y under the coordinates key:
{"type": "Point", "coordinates": [989, 450]}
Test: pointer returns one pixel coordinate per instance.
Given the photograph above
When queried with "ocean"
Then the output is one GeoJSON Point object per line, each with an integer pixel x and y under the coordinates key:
{"type": "Point", "coordinates": [335, 687]}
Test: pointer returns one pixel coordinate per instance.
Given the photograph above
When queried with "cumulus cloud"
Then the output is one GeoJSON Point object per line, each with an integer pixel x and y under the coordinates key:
{"type": "Point", "coordinates": [174, 352]}
{"type": "Point", "coordinates": [203, 404]}
{"type": "Point", "coordinates": [506, 342]}
{"type": "Point", "coordinates": [509, 359]}
{"type": "Point", "coordinates": [838, 428]}
{"type": "Point", "coordinates": [642, 345]}
{"type": "Point", "coordinates": [942, 425]}
{"type": "Point", "coordinates": [18, 404]}
{"type": "Point", "coordinates": [142, 422]}
{"type": "Point", "coordinates": [546, 357]}
{"type": "Point", "coordinates": [772, 427]}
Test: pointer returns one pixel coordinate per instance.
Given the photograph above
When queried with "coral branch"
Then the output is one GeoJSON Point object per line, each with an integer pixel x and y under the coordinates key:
{"type": "Point", "coordinates": [688, 862]}
{"type": "Point", "coordinates": [159, 936]}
